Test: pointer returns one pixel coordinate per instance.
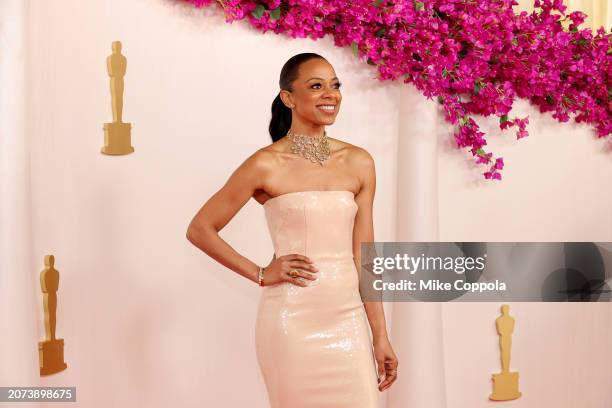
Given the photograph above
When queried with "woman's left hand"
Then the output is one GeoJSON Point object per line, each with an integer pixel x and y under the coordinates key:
{"type": "Point", "coordinates": [387, 363]}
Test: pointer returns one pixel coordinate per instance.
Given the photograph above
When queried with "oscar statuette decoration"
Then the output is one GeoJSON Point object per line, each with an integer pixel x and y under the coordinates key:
{"type": "Point", "coordinates": [505, 384]}
{"type": "Point", "coordinates": [117, 135]}
{"type": "Point", "coordinates": [50, 351]}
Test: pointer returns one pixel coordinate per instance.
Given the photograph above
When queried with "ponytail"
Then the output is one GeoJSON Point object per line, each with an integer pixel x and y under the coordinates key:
{"type": "Point", "coordinates": [280, 123]}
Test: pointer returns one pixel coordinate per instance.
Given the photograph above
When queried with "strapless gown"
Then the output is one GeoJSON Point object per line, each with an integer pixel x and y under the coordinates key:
{"type": "Point", "coordinates": [313, 343]}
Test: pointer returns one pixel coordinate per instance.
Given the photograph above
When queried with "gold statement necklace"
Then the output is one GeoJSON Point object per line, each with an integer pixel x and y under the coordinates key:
{"type": "Point", "coordinates": [315, 149]}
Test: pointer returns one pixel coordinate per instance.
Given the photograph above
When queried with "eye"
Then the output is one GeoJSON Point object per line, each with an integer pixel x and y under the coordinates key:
{"type": "Point", "coordinates": [337, 84]}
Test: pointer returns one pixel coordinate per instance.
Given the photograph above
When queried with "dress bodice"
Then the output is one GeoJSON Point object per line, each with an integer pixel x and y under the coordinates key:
{"type": "Point", "coordinates": [318, 224]}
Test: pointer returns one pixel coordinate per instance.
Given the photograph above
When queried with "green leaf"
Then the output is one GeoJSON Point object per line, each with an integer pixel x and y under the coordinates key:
{"type": "Point", "coordinates": [444, 73]}
{"type": "Point", "coordinates": [574, 29]}
{"type": "Point", "coordinates": [583, 41]}
{"type": "Point", "coordinates": [477, 87]}
{"type": "Point", "coordinates": [514, 41]}
{"type": "Point", "coordinates": [370, 62]}
{"type": "Point", "coordinates": [275, 14]}
{"type": "Point", "coordinates": [418, 5]}
{"type": "Point", "coordinates": [440, 99]}
{"type": "Point", "coordinates": [380, 32]}
{"type": "Point", "coordinates": [377, 2]}
{"type": "Point", "coordinates": [481, 152]}
{"type": "Point", "coordinates": [503, 119]}
{"type": "Point", "coordinates": [258, 12]}
{"type": "Point", "coordinates": [355, 49]}
{"type": "Point", "coordinates": [550, 100]}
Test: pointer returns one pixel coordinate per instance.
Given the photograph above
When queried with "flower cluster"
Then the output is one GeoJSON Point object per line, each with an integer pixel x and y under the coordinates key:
{"type": "Point", "coordinates": [474, 56]}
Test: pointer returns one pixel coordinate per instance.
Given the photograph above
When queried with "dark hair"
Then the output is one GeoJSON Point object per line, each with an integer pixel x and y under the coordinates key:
{"type": "Point", "coordinates": [281, 115]}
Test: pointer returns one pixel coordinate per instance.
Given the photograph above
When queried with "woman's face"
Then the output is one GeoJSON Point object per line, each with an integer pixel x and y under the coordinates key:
{"type": "Point", "coordinates": [316, 96]}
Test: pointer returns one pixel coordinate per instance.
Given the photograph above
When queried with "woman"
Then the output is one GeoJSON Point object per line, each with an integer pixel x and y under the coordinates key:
{"type": "Point", "coordinates": [313, 344]}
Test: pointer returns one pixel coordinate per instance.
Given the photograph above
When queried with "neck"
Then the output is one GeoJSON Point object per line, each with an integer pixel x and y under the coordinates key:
{"type": "Point", "coordinates": [314, 131]}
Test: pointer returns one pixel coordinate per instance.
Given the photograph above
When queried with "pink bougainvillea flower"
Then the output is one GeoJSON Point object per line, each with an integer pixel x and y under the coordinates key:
{"type": "Point", "coordinates": [475, 57]}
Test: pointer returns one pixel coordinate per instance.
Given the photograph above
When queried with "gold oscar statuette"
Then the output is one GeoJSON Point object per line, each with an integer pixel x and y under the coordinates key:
{"type": "Point", "coordinates": [50, 351]}
{"type": "Point", "coordinates": [117, 135]}
{"type": "Point", "coordinates": [505, 384]}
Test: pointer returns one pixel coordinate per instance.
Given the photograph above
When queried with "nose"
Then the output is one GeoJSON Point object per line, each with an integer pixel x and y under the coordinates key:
{"type": "Point", "coordinates": [331, 92]}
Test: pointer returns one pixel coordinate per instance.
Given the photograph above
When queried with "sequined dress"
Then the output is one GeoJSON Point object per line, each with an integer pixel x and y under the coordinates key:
{"type": "Point", "coordinates": [313, 343]}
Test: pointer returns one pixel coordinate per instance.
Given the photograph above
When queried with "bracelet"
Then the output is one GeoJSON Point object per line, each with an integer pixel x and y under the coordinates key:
{"type": "Point", "coordinates": [261, 276]}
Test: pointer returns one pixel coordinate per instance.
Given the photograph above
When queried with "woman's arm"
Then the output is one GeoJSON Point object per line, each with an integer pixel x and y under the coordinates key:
{"type": "Point", "coordinates": [364, 232]}
{"type": "Point", "coordinates": [221, 208]}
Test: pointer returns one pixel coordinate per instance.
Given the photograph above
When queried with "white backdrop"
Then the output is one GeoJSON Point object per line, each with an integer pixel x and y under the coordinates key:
{"type": "Point", "coordinates": [150, 320]}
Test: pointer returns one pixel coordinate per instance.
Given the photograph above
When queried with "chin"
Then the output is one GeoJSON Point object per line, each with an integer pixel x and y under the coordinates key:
{"type": "Point", "coordinates": [326, 121]}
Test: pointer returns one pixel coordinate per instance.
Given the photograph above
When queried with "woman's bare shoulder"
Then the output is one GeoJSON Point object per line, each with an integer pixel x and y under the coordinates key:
{"type": "Point", "coordinates": [269, 154]}
{"type": "Point", "coordinates": [354, 153]}
{"type": "Point", "coordinates": [264, 159]}
{"type": "Point", "coordinates": [274, 147]}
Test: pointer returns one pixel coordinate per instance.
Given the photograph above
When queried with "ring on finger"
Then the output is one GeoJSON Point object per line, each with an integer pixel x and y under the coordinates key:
{"type": "Point", "coordinates": [293, 273]}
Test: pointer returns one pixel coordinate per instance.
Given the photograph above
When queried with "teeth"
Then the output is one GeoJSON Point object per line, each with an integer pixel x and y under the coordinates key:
{"type": "Point", "coordinates": [327, 107]}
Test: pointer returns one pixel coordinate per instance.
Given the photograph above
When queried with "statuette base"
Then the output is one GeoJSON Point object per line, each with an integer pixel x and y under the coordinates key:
{"type": "Point", "coordinates": [505, 386]}
{"type": "Point", "coordinates": [51, 356]}
{"type": "Point", "coordinates": [117, 138]}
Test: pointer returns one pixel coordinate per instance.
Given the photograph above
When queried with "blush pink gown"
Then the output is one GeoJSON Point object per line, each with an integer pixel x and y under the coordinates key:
{"type": "Point", "coordinates": [313, 343]}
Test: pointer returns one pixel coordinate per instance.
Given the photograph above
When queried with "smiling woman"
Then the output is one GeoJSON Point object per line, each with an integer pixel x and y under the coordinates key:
{"type": "Point", "coordinates": [312, 337]}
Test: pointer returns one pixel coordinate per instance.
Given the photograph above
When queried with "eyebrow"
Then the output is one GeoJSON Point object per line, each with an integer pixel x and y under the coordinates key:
{"type": "Point", "coordinates": [319, 78]}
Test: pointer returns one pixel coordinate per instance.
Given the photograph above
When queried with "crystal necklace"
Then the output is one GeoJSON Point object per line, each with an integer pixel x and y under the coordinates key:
{"type": "Point", "coordinates": [315, 149]}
